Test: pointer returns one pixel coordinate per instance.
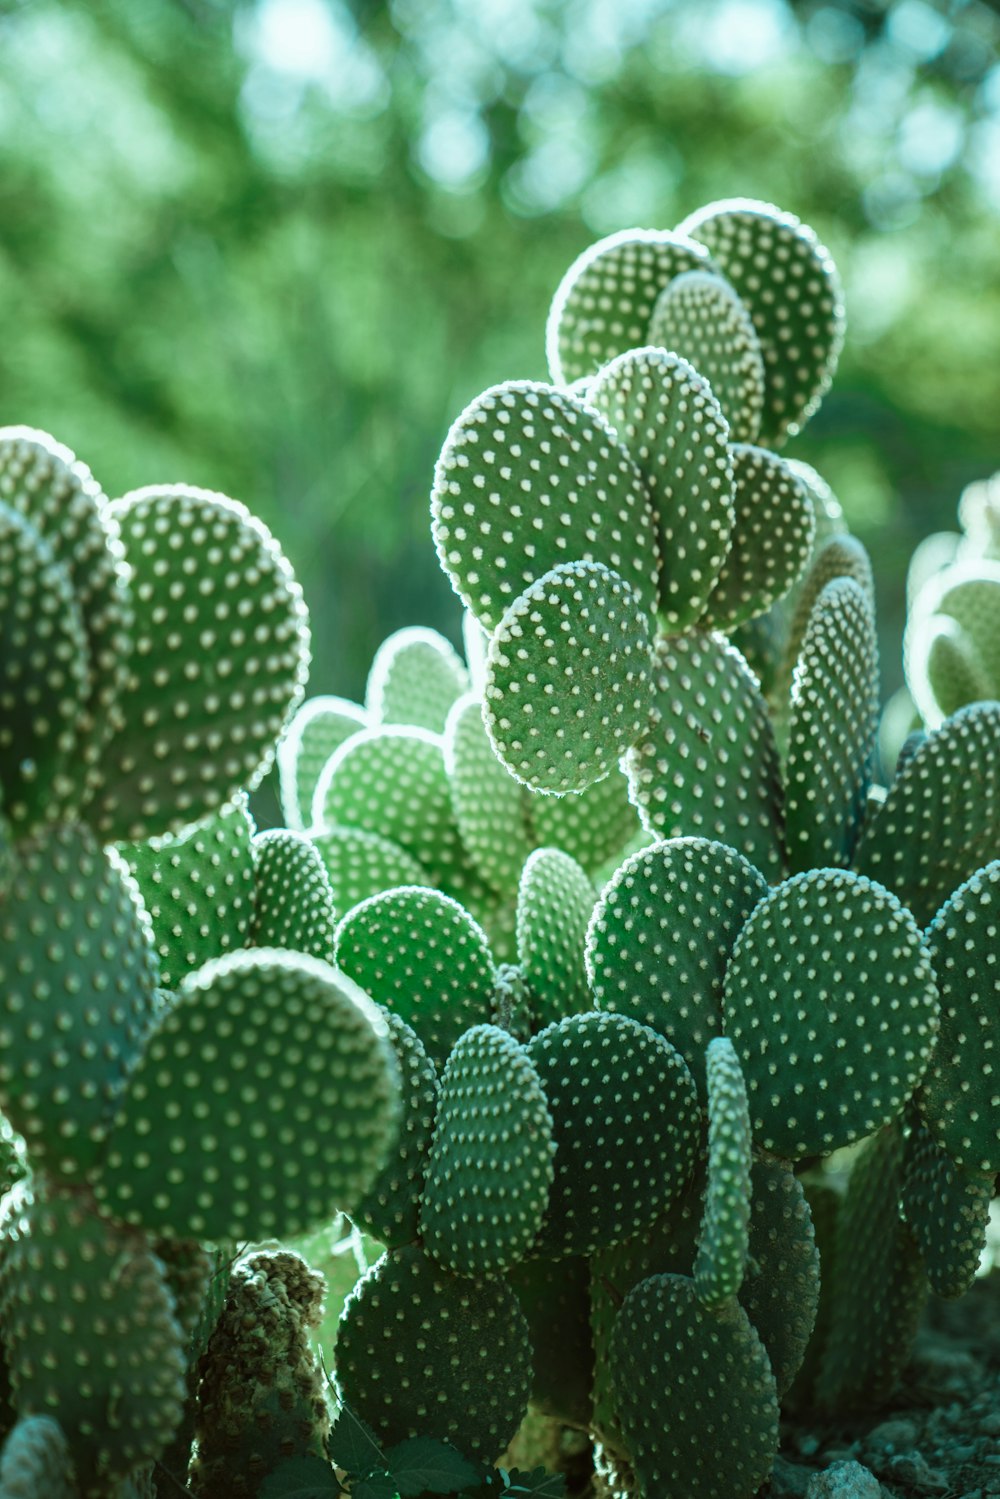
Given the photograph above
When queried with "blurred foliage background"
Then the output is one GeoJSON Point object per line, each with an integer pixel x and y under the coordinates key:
{"type": "Point", "coordinates": [274, 247]}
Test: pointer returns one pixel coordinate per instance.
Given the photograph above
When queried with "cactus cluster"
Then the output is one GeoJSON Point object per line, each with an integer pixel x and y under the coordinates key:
{"type": "Point", "coordinates": [596, 977]}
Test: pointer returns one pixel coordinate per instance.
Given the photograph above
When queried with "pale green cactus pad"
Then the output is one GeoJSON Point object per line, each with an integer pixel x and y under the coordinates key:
{"type": "Point", "coordinates": [389, 1210]}
{"type": "Point", "coordinates": [951, 652]}
{"type": "Point", "coordinates": [948, 1210]}
{"type": "Point", "coordinates": [265, 1099]}
{"type": "Point", "coordinates": [624, 1112]}
{"type": "Point", "coordinates": [837, 556]}
{"type": "Point", "coordinates": [360, 863]}
{"type": "Point", "coordinates": [605, 301]}
{"type": "Point", "coordinates": [420, 953]}
{"type": "Point", "coordinates": [695, 1394]}
{"type": "Point", "coordinates": [593, 826]}
{"type": "Point", "coordinates": [77, 979]}
{"type": "Point", "coordinates": [725, 1230]}
{"type": "Point", "coordinates": [415, 677]}
{"type": "Point", "coordinates": [831, 1004]}
{"type": "Point", "coordinates": [708, 764]}
{"type": "Point", "coordinates": [44, 674]}
{"type": "Point", "coordinates": [579, 496]}
{"type": "Point", "coordinates": [293, 903]}
{"type": "Point", "coordinates": [67, 1276]}
{"type": "Point", "coordinates": [36, 1460]}
{"type": "Point", "coordinates": [490, 1168]}
{"type": "Point", "coordinates": [555, 900]}
{"type": "Point", "coordinates": [392, 781]}
{"type": "Point", "coordinates": [959, 1096]}
{"type": "Point", "coordinates": [207, 697]}
{"type": "Point", "coordinates": [941, 819]}
{"type": "Point", "coordinates": [318, 728]}
{"type": "Point", "coordinates": [788, 283]}
{"type": "Point", "coordinates": [832, 729]}
{"type": "Point", "coordinates": [409, 1337]}
{"type": "Point", "coordinates": [662, 934]}
{"type": "Point", "coordinates": [773, 529]}
{"type": "Point", "coordinates": [198, 887]}
{"type": "Point", "coordinates": [699, 316]}
{"type": "Point", "coordinates": [568, 678]}
{"type": "Point", "coordinates": [485, 798]}
{"type": "Point", "coordinates": [669, 420]}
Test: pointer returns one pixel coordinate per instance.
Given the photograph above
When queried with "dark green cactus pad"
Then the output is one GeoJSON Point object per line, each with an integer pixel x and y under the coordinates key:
{"type": "Point", "coordinates": [77, 980]}
{"type": "Point", "coordinates": [832, 729]}
{"type": "Point", "coordinates": [198, 887]}
{"type": "Point", "coordinates": [708, 764]}
{"type": "Point", "coordinates": [210, 684]}
{"type": "Point", "coordinates": [490, 1168]}
{"type": "Point", "coordinates": [780, 1291]}
{"type": "Point", "coordinates": [662, 933]}
{"type": "Point", "coordinates": [554, 1297]}
{"type": "Point", "coordinates": [568, 680]}
{"type": "Point", "coordinates": [35, 1461]}
{"type": "Point", "coordinates": [189, 1270]}
{"type": "Point", "coordinates": [44, 675]}
{"type": "Point", "coordinates": [725, 1231]}
{"type": "Point", "coordinates": [667, 416]}
{"type": "Point", "coordinates": [293, 906]}
{"type": "Point", "coordinates": [941, 819]}
{"type": "Point", "coordinates": [879, 1284]}
{"type": "Point", "coordinates": [415, 677]}
{"type": "Point", "coordinates": [959, 1095]}
{"type": "Point", "coordinates": [773, 530]}
{"type": "Point", "coordinates": [424, 1353]}
{"type": "Point", "coordinates": [593, 826]}
{"type": "Point", "coordinates": [265, 1099]}
{"type": "Point", "coordinates": [554, 904]}
{"type": "Point", "coordinates": [392, 781]}
{"type": "Point", "coordinates": [318, 728]}
{"type": "Point", "coordinates": [789, 285]}
{"type": "Point", "coordinates": [528, 478]}
{"type": "Point", "coordinates": [390, 1208]}
{"type": "Point", "coordinates": [605, 301]}
{"type": "Point", "coordinates": [43, 481]}
{"type": "Point", "coordinates": [947, 1209]}
{"type": "Point", "coordinates": [625, 1118]}
{"type": "Point", "coordinates": [830, 1001]}
{"type": "Point", "coordinates": [420, 953]}
{"type": "Point", "coordinates": [695, 1394]}
{"type": "Point", "coordinates": [700, 317]}
{"type": "Point", "coordinates": [359, 864]}
{"type": "Point", "coordinates": [89, 1332]}
{"type": "Point", "coordinates": [485, 798]}
{"type": "Point", "coordinates": [952, 653]}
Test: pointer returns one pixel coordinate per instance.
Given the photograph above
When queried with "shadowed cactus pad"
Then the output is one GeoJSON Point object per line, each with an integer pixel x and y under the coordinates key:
{"type": "Point", "coordinates": [424, 1353]}
{"type": "Point", "coordinates": [723, 1246]}
{"type": "Point", "coordinates": [831, 1004]}
{"type": "Point", "coordinates": [35, 1460]}
{"type": "Point", "coordinates": [265, 1099]}
{"type": "Point", "coordinates": [490, 1166]}
{"type": "Point", "coordinates": [947, 1209]}
{"type": "Point", "coordinates": [699, 316]}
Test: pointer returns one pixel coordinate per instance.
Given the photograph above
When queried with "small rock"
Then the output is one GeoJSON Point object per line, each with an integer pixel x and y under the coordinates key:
{"type": "Point", "coordinates": [893, 1436]}
{"type": "Point", "coordinates": [844, 1481]}
{"type": "Point", "coordinates": [989, 1424]}
{"type": "Point", "coordinates": [912, 1470]}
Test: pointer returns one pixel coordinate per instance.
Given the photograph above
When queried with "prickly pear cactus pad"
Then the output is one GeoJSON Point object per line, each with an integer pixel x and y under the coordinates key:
{"type": "Point", "coordinates": [578, 496]}
{"type": "Point", "coordinates": [780, 1291]}
{"type": "Point", "coordinates": [359, 864]}
{"type": "Point", "coordinates": [662, 933]}
{"type": "Point", "coordinates": [198, 888]}
{"type": "Point", "coordinates": [210, 684]}
{"type": "Point", "coordinates": [415, 677]}
{"type": "Point", "coordinates": [700, 317]}
{"type": "Point", "coordinates": [708, 763]}
{"type": "Point", "coordinates": [959, 1096]}
{"type": "Point", "coordinates": [668, 418]}
{"type": "Point", "coordinates": [568, 678]}
{"type": "Point", "coordinates": [89, 1331]}
{"type": "Point", "coordinates": [36, 1460]}
{"type": "Point", "coordinates": [725, 1230]}
{"type": "Point", "coordinates": [319, 727]}
{"type": "Point", "coordinates": [695, 1394]}
{"type": "Point", "coordinates": [947, 1209]}
{"type": "Point", "coordinates": [293, 901]}
{"type": "Point", "coordinates": [830, 1002]}
{"type": "Point", "coordinates": [418, 952]}
{"type": "Point", "coordinates": [625, 1119]}
{"type": "Point", "coordinates": [790, 287]}
{"type": "Point", "coordinates": [951, 653]}
{"type": "Point", "coordinates": [941, 819]}
{"type": "Point", "coordinates": [485, 798]}
{"type": "Point", "coordinates": [554, 904]}
{"type": "Point", "coordinates": [424, 1353]}
{"type": "Point", "coordinates": [77, 979]}
{"type": "Point", "coordinates": [266, 1098]}
{"type": "Point", "coordinates": [490, 1166]}
{"type": "Point", "coordinates": [595, 826]}
{"type": "Point", "coordinates": [606, 299]}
